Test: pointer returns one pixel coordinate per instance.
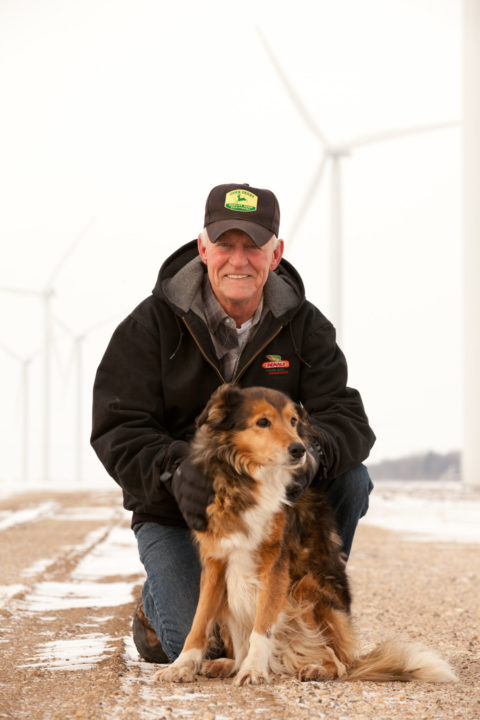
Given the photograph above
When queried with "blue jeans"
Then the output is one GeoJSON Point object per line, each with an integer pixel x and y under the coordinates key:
{"type": "Point", "coordinates": [348, 497]}
{"type": "Point", "coordinates": [170, 592]}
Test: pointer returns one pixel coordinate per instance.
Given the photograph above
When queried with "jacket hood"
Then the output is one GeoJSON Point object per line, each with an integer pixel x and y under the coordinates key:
{"type": "Point", "coordinates": [182, 273]}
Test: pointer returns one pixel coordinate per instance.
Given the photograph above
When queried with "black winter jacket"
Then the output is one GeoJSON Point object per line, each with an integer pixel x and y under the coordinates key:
{"type": "Point", "coordinates": [160, 369]}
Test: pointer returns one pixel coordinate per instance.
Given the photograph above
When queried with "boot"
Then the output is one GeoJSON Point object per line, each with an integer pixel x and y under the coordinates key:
{"type": "Point", "coordinates": [145, 637]}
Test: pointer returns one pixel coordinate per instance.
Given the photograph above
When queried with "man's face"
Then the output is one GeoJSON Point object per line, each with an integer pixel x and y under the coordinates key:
{"type": "Point", "coordinates": [238, 270]}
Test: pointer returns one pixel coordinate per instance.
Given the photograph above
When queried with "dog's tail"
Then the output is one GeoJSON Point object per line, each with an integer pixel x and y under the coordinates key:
{"type": "Point", "coordinates": [398, 660]}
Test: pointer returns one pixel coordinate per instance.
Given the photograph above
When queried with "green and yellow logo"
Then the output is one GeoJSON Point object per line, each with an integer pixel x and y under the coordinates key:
{"type": "Point", "coordinates": [241, 201]}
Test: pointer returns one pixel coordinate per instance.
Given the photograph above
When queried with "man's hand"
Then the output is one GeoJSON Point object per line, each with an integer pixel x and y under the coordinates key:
{"type": "Point", "coordinates": [193, 492]}
{"type": "Point", "coordinates": [315, 463]}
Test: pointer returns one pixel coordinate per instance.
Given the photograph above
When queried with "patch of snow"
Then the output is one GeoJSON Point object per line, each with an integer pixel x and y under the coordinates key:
{"type": "Point", "coordinates": [38, 567]}
{"type": "Point", "coordinates": [94, 513]}
{"type": "Point", "coordinates": [9, 519]}
{"type": "Point", "coordinates": [426, 511]}
{"type": "Point", "coordinates": [79, 653]}
{"type": "Point", "coordinates": [96, 620]}
{"type": "Point", "coordinates": [90, 541]}
{"type": "Point", "coordinates": [130, 652]}
{"type": "Point", "coordinates": [50, 596]}
{"type": "Point", "coordinates": [116, 555]}
{"type": "Point", "coordinates": [187, 695]}
{"type": "Point", "coordinates": [8, 591]}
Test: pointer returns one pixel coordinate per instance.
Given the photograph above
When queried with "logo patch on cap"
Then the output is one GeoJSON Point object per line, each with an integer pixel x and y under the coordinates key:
{"type": "Point", "coordinates": [241, 201]}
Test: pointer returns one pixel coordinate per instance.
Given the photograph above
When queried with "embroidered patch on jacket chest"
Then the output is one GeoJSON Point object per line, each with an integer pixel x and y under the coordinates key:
{"type": "Point", "coordinates": [274, 365]}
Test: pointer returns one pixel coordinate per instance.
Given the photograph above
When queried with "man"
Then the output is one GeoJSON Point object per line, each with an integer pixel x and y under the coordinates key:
{"type": "Point", "coordinates": [226, 308]}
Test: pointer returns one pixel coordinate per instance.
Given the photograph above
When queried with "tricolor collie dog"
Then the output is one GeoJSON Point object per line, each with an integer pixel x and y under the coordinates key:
{"type": "Point", "coordinates": [273, 574]}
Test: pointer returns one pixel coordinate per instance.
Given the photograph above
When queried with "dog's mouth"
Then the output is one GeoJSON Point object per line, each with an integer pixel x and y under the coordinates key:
{"type": "Point", "coordinates": [297, 462]}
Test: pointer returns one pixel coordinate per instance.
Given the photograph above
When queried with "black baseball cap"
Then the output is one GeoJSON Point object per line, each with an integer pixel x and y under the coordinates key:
{"type": "Point", "coordinates": [238, 206]}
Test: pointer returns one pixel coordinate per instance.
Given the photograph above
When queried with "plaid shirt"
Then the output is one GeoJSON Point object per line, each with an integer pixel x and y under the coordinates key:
{"type": "Point", "coordinates": [228, 340]}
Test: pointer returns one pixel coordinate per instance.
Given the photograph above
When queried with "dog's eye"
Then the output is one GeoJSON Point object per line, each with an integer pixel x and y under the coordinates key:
{"type": "Point", "coordinates": [294, 421]}
{"type": "Point", "coordinates": [263, 422]}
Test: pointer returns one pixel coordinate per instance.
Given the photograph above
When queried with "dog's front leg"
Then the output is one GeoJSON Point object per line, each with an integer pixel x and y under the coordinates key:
{"type": "Point", "coordinates": [274, 585]}
{"type": "Point", "coordinates": [212, 590]}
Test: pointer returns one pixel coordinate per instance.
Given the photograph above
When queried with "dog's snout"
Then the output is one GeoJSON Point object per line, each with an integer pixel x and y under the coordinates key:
{"type": "Point", "coordinates": [296, 450]}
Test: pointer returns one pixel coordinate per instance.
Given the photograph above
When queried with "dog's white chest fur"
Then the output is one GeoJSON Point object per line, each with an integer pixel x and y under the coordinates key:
{"type": "Point", "coordinates": [240, 548]}
{"type": "Point", "coordinates": [242, 588]}
{"type": "Point", "coordinates": [271, 495]}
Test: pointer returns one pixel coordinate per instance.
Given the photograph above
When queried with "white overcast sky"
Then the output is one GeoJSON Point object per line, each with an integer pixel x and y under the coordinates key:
{"type": "Point", "coordinates": [119, 116]}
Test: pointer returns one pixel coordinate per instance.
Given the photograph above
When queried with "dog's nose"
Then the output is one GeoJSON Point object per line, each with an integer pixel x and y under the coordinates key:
{"type": "Point", "coordinates": [296, 450]}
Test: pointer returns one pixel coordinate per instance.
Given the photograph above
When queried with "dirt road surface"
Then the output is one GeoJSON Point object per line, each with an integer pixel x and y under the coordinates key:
{"type": "Point", "coordinates": [70, 577]}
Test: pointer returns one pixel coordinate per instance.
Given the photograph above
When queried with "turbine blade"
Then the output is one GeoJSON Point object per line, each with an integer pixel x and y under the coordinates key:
{"type": "Point", "coordinates": [307, 198]}
{"type": "Point", "coordinates": [305, 115]}
{"type": "Point", "coordinates": [67, 253]}
{"type": "Point", "coordinates": [20, 291]}
{"type": "Point", "coordinates": [11, 353]}
{"type": "Point", "coordinates": [101, 323]}
{"type": "Point", "coordinates": [396, 133]}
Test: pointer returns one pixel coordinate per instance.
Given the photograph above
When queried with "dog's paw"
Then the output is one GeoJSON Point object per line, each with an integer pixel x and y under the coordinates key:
{"type": "Point", "coordinates": [219, 668]}
{"type": "Point", "coordinates": [183, 669]}
{"type": "Point", "coordinates": [315, 672]}
{"type": "Point", "coordinates": [330, 669]}
{"type": "Point", "coordinates": [248, 675]}
{"type": "Point", "coordinates": [178, 674]}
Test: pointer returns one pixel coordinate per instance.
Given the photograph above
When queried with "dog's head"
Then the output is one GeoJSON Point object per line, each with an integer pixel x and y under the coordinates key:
{"type": "Point", "coordinates": [257, 426]}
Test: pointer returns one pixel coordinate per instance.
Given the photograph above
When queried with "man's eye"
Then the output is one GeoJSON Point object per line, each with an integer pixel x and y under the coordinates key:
{"type": "Point", "coordinates": [263, 422]}
{"type": "Point", "coordinates": [293, 421]}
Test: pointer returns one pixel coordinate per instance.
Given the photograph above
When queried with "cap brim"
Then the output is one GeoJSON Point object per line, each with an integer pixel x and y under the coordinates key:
{"type": "Point", "coordinates": [259, 234]}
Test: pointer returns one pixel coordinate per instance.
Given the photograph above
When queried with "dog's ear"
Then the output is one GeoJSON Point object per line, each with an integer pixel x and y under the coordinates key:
{"type": "Point", "coordinates": [305, 429]}
{"type": "Point", "coordinates": [220, 410]}
{"type": "Point", "coordinates": [302, 413]}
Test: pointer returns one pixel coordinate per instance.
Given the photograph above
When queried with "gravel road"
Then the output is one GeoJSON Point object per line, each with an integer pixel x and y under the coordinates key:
{"type": "Point", "coordinates": [69, 579]}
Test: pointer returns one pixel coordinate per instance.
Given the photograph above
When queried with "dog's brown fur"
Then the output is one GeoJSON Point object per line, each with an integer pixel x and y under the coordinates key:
{"type": "Point", "coordinates": [273, 573]}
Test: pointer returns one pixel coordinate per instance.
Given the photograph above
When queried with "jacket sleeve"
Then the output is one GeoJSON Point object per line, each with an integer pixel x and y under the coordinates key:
{"type": "Point", "coordinates": [335, 409]}
{"type": "Point", "coordinates": [128, 431]}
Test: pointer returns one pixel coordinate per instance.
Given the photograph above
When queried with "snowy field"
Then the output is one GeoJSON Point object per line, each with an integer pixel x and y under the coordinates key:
{"type": "Point", "coordinates": [427, 510]}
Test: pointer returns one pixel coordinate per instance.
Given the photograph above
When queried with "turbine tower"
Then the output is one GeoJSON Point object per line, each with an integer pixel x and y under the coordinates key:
{"type": "Point", "coordinates": [471, 242]}
{"type": "Point", "coordinates": [78, 344]}
{"type": "Point", "coordinates": [25, 393]}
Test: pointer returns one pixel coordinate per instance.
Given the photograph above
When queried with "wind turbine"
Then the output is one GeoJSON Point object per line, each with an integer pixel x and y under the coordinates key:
{"type": "Point", "coordinates": [334, 154]}
{"type": "Point", "coordinates": [45, 295]}
{"type": "Point", "coordinates": [78, 341]}
{"type": "Point", "coordinates": [25, 364]}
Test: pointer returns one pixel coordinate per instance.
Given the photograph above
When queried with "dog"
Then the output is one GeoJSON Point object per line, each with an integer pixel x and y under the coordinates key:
{"type": "Point", "coordinates": [273, 572]}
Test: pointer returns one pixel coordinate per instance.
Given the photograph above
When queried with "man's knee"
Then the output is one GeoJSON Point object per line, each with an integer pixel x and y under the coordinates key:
{"type": "Point", "coordinates": [348, 498]}
{"type": "Point", "coordinates": [358, 486]}
{"type": "Point", "coordinates": [351, 490]}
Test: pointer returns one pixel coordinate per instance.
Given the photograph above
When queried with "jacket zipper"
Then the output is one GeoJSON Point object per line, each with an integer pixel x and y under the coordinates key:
{"type": "Point", "coordinates": [240, 373]}
{"type": "Point", "coordinates": [203, 352]}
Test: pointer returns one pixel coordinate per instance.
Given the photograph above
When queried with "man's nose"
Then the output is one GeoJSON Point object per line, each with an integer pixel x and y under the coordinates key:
{"type": "Point", "coordinates": [238, 256]}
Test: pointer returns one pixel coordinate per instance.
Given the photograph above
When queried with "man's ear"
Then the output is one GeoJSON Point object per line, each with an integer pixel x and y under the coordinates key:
{"type": "Point", "coordinates": [277, 255]}
{"type": "Point", "coordinates": [202, 251]}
